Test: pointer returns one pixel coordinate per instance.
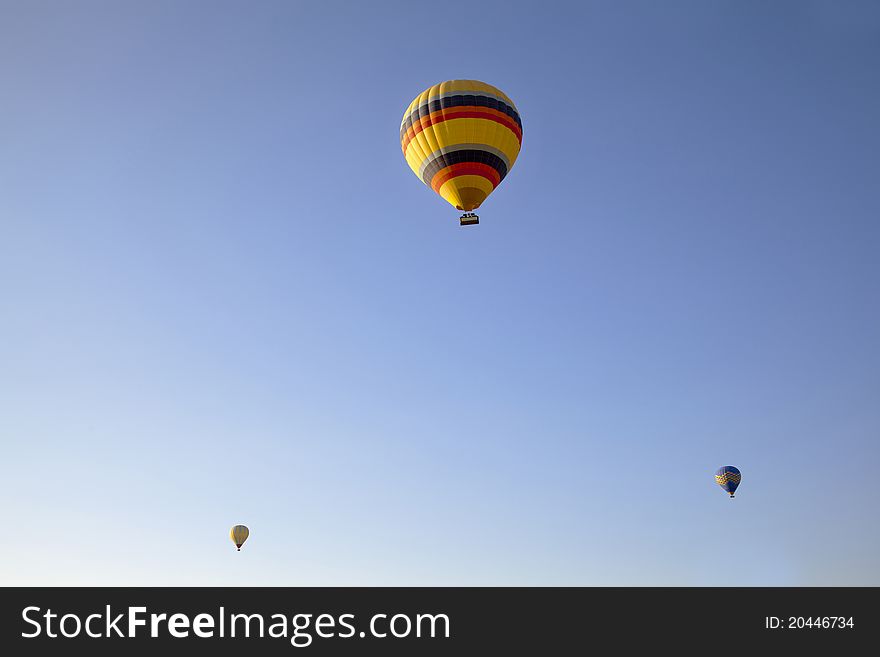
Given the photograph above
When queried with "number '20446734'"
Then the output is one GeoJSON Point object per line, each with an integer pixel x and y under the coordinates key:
{"type": "Point", "coordinates": [808, 622]}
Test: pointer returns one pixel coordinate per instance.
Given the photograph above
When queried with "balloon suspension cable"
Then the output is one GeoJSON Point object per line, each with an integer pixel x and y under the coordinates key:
{"type": "Point", "coordinates": [469, 219]}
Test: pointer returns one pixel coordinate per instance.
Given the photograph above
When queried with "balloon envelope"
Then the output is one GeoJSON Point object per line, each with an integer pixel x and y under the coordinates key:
{"type": "Point", "coordinates": [239, 534]}
{"type": "Point", "coordinates": [461, 137]}
{"type": "Point", "coordinates": [728, 477]}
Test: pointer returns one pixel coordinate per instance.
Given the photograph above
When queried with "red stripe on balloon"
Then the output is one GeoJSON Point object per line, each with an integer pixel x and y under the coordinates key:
{"type": "Point", "coordinates": [465, 169]}
{"type": "Point", "coordinates": [465, 112]}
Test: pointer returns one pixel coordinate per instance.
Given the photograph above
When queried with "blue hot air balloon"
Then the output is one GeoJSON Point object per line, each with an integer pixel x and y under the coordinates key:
{"type": "Point", "coordinates": [728, 478]}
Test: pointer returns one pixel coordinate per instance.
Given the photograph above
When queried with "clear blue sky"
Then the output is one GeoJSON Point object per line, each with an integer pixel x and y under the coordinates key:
{"type": "Point", "coordinates": [225, 298]}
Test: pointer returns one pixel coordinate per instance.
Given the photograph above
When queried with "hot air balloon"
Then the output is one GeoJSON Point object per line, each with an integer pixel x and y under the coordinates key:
{"type": "Point", "coordinates": [239, 534]}
{"type": "Point", "coordinates": [461, 137]}
{"type": "Point", "coordinates": [728, 477]}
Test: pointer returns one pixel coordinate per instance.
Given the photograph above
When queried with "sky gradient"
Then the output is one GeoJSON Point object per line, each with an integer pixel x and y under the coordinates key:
{"type": "Point", "coordinates": [225, 298]}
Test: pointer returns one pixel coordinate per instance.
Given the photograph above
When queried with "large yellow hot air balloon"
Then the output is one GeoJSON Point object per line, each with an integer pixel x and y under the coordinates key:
{"type": "Point", "coordinates": [460, 138]}
{"type": "Point", "coordinates": [239, 534]}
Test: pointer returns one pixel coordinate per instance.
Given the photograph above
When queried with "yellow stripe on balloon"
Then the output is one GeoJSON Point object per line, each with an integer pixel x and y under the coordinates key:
{"type": "Point", "coordinates": [456, 85]}
{"type": "Point", "coordinates": [463, 131]}
{"type": "Point", "coordinates": [466, 192]}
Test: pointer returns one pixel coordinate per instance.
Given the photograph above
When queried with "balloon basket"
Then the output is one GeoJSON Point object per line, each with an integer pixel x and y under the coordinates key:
{"type": "Point", "coordinates": [469, 219]}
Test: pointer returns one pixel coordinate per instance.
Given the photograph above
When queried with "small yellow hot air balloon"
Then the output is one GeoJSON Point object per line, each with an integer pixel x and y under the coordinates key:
{"type": "Point", "coordinates": [239, 534]}
{"type": "Point", "coordinates": [460, 138]}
